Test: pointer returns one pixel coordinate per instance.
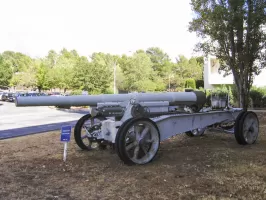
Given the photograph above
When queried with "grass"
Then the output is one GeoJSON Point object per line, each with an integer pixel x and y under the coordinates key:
{"type": "Point", "coordinates": [210, 167]}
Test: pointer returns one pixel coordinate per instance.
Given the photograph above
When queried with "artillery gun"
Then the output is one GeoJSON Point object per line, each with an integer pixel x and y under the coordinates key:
{"type": "Point", "coordinates": [135, 124]}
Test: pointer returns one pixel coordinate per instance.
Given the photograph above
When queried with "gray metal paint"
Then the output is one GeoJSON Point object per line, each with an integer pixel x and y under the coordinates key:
{"type": "Point", "coordinates": [176, 124]}
{"type": "Point", "coordinates": [174, 98]}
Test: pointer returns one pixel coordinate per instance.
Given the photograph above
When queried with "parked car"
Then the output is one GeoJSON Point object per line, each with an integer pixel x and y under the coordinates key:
{"type": "Point", "coordinates": [55, 94]}
{"type": "Point", "coordinates": [8, 96]}
{"type": "Point", "coordinates": [20, 94]}
{"type": "Point", "coordinates": [1, 94]}
{"type": "Point", "coordinates": [4, 96]}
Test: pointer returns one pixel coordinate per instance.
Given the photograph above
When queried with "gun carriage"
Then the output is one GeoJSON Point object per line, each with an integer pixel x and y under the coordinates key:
{"type": "Point", "coordinates": [134, 124]}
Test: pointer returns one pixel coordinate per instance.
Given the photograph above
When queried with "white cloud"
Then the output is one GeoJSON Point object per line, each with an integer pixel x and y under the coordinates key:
{"type": "Point", "coordinates": [117, 26]}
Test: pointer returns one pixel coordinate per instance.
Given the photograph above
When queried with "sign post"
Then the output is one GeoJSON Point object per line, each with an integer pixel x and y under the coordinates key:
{"type": "Point", "coordinates": [65, 137]}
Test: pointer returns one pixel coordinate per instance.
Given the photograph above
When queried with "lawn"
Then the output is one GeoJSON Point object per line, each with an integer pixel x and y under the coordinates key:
{"type": "Point", "coordinates": [213, 166]}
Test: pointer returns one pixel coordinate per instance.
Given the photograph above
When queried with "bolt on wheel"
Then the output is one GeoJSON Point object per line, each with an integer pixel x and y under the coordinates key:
{"type": "Point", "coordinates": [86, 132]}
{"type": "Point", "coordinates": [137, 141]}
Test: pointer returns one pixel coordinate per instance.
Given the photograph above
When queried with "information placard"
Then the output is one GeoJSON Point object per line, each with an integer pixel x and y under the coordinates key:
{"type": "Point", "coordinates": [65, 133]}
{"type": "Point", "coordinates": [65, 137]}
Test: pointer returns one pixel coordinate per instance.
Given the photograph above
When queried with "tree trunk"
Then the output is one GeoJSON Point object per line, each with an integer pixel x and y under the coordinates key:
{"type": "Point", "coordinates": [243, 94]}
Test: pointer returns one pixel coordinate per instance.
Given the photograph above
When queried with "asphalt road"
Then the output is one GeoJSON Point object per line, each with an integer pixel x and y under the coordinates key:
{"type": "Point", "coordinates": [27, 120]}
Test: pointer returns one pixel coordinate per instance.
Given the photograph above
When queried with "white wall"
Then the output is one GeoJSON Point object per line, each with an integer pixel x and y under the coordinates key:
{"type": "Point", "coordinates": [260, 80]}
{"type": "Point", "coordinates": [212, 76]}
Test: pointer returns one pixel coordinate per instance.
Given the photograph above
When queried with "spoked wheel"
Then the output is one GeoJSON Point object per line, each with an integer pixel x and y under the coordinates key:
{"type": "Point", "coordinates": [196, 132]}
{"type": "Point", "coordinates": [137, 141]}
{"type": "Point", "coordinates": [86, 131]}
{"type": "Point", "coordinates": [246, 128]}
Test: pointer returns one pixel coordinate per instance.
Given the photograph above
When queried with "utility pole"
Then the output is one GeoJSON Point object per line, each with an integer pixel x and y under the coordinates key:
{"type": "Point", "coordinates": [115, 76]}
{"type": "Point", "coordinates": [115, 64]}
{"type": "Point", "coordinates": [169, 84]}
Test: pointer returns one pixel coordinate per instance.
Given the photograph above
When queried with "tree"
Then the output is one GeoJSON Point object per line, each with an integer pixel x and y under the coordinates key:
{"type": "Point", "coordinates": [158, 58]}
{"type": "Point", "coordinates": [187, 68]}
{"type": "Point", "coordinates": [26, 78]}
{"type": "Point", "coordinates": [63, 70]}
{"type": "Point", "coordinates": [138, 72]}
{"type": "Point", "coordinates": [51, 58]}
{"type": "Point", "coordinates": [232, 31]}
{"type": "Point", "coordinates": [92, 76]}
{"type": "Point", "coordinates": [190, 83]}
{"type": "Point", "coordinates": [5, 72]}
{"type": "Point", "coordinates": [18, 61]}
{"type": "Point", "coordinates": [42, 76]}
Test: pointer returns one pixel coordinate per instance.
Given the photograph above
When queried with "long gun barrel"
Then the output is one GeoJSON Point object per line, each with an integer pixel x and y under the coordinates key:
{"type": "Point", "coordinates": [174, 98]}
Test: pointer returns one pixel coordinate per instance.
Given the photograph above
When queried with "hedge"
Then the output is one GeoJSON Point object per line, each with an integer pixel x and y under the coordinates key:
{"type": "Point", "coordinates": [257, 97]}
{"type": "Point", "coordinates": [190, 83]}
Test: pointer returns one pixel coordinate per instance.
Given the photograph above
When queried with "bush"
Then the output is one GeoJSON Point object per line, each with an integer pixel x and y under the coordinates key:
{"type": "Point", "coordinates": [264, 101]}
{"type": "Point", "coordinates": [76, 92]}
{"type": "Point", "coordinates": [234, 96]}
{"type": "Point", "coordinates": [221, 92]}
{"type": "Point", "coordinates": [190, 83]}
{"type": "Point", "coordinates": [109, 91]}
{"type": "Point", "coordinates": [95, 92]}
{"type": "Point", "coordinates": [257, 94]}
{"type": "Point", "coordinates": [199, 83]}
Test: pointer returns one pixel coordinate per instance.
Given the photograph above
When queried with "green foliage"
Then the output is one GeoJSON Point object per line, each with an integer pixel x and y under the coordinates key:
{"type": "Point", "coordinates": [76, 92]}
{"type": "Point", "coordinates": [220, 91]}
{"type": "Point", "coordinates": [232, 31]}
{"type": "Point", "coordinates": [94, 76]}
{"type": "Point", "coordinates": [190, 83]}
{"type": "Point", "coordinates": [199, 83]}
{"type": "Point", "coordinates": [42, 77]}
{"type": "Point", "coordinates": [26, 78]}
{"type": "Point", "coordinates": [5, 72]}
{"type": "Point", "coordinates": [17, 61]}
{"type": "Point", "coordinates": [160, 60]}
{"type": "Point", "coordinates": [187, 68]}
{"type": "Point", "coordinates": [148, 70]}
{"type": "Point", "coordinates": [139, 73]}
{"type": "Point", "coordinates": [257, 95]}
{"type": "Point", "coordinates": [264, 101]}
{"type": "Point", "coordinates": [109, 91]}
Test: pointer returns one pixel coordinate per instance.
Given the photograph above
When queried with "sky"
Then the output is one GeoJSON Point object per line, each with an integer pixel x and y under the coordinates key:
{"type": "Point", "coordinates": [34, 27]}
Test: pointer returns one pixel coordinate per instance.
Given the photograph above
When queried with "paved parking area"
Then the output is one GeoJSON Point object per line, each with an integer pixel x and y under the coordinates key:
{"type": "Point", "coordinates": [22, 120]}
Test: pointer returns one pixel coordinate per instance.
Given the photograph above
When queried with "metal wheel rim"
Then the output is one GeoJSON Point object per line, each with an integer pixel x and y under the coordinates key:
{"type": "Point", "coordinates": [86, 136]}
{"type": "Point", "coordinates": [250, 128]}
{"type": "Point", "coordinates": [141, 142]}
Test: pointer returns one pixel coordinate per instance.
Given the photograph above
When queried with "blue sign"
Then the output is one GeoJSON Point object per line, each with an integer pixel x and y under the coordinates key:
{"type": "Point", "coordinates": [65, 133]}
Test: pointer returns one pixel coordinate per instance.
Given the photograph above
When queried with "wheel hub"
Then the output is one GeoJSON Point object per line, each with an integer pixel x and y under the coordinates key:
{"type": "Point", "coordinates": [251, 129]}
{"type": "Point", "coordinates": [141, 142]}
